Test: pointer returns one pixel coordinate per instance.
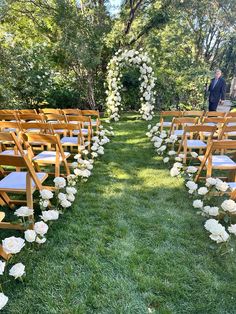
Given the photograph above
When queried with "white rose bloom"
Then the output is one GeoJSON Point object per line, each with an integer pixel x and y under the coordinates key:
{"type": "Point", "coordinates": [174, 172]}
{"type": "Point", "coordinates": [197, 204]}
{"type": "Point", "coordinates": [210, 181]}
{"type": "Point", "coordinates": [94, 154]}
{"type": "Point", "coordinates": [191, 186]}
{"type": "Point", "coordinates": [221, 186]}
{"type": "Point", "coordinates": [232, 229]}
{"type": "Point", "coordinates": [3, 300]}
{"type": "Point", "coordinates": [48, 215]}
{"type": "Point", "coordinates": [181, 156]}
{"type": "Point", "coordinates": [213, 211]}
{"type": "Point", "coordinates": [229, 205]}
{"type": "Point", "coordinates": [221, 237]}
{"type": "Point", "coordinates": [13, 245]}
{"type": "Point", "coordinates": [71, 190]}
{"type": "Point", "coordinates": [41, 228]}
{"type": "Point", "coordinates": [85, 152]}
{"type": "Point", "coordinates": [211, 224]}
{"type": "Point", "coordinates": [62, 196]}
{"type": "Point", "coordinates": [30, 235]}
{"type": "Point", "coordinates": [191, 169]}
{"type": "Point", "coordinates": [194, 154]}
{"type": "Point", "coordinates": [100, 150]}
{"type": "Point", "coordinates": [162, 148]}
{"type": "Point", "coordinates": [178, 165]}
{"type": "Point", "coordinates": [17, 271]}
{"type": "Point", "coordinates": [178, 159]}
{"type": "Point", "coordinates": [77, 156]}
{"type": "Point", "coordinates": [65, 204]}
{"type": "Point", "coordinates": [71, 197]}
{"type": "Point", "coordinates": [166, 159]}
{"type": "Point", "coordinates": [40, 240]}
{"type": "Point", "coordinates": [74, 164]}
{"type": "Point", "coordinates": [59, 182]}
{"type": "Point", "coordinates": [172, 153]}
{"type": "Point", "coordinates": [157, 144]}
{"type": "Point", "coordinates": [202, 191]}
{"type": "Point", "coordinates": [24, 211]}
{"type": "Point", "coordinates": [46, 194]}
{"type": "Point", "coordinates": [149, 126]}
{"type": "Point", "coordinates": [2, 267]}
{"type": "Point", "coordinates": [44, 203]}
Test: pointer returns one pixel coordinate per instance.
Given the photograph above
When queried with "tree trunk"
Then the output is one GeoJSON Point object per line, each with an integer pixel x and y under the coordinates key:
{"type": "Point", "coordinates": [91, 98]}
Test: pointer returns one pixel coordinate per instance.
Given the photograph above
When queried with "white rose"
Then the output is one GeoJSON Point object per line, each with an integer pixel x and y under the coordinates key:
{"type": "Point", "coordinates": [229, 205]}
{"type": "Point", "coordinates": [181, 156]}
{"type": "Point", "coordinates": [61, 196]}
{"type": "Point", "coordinates": [166, 159]}
{"type": "Point", "coordinates": [197, 204]}
{"type": "Point", "coordinates": [70, 197]}
{"type": "Point", "coordinates": [202, 191]}
{"type": "Point", "coordinates": [212, 211]}
{"type": "Point", "coordinates": [40, 240]}
{"type": "Point", "coordinates": [85, 152]}
{"type": "Point", "coordinates": [71, 190]}
{"type": "Point", "coordinates": [50, 215]}
{"type": "Point", "coordinates": [210, 181]}
{"type": "Point", "coordinates": [221, 237]}
{"type": "Point", "coordinates": [191, 185]}
{"type": "Point", "coordinates": [174, 172]}
{"type": "Point", "coordinates": [2, 267]}
{"type": "Point", "coordinates": [211, 224]}
{"type": "Point", "coordinates": [178, 165]}
{"type": "Point", "coordinates": [24, 211]}
{"type": "Point", "coordinates": [221, 186]}
{"type": "Point", "coordinates": [191, 169]}
{"type": "Point", "coordinates": [194, 154]}
{"type": "Point", "coordinates": [17, 271]}
{"type": "Point", "coordinates": [30, 235]}
{"type": "Point", "coordinates": [94, 154]}
{"type": "Point", "coordinates": [178, 158]}
{"type": "Point", "coordinates": [3, 300]}
{"type": "Point", "coordinates": [65, 204]}
{"type": "Point", "coordinates": [13, 245]}
{"type": "Point", "coordinates": [232, 229]}
{"type": "Point", "coordinates": [46, 194]}
{"type": "Point", "coordinates": [41, 228]}
{"type": "Point", "coordinates": [59, 182]}
{"type": "Point", "coordinates": [172, 153]}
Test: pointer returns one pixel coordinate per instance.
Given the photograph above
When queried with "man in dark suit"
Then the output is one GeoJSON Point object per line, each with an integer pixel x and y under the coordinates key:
{"type": "Point", "coordinates": [217, 91]}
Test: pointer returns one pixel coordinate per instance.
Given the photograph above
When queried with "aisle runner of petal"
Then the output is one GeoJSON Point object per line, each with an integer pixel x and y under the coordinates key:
{"type": "Point", "coordinates": [211, 200]}
{"type": "Point", "coordinates": [52, 205]}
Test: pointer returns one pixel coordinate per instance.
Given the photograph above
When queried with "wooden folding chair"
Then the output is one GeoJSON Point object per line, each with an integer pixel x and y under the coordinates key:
{"type": "Point", "coordinates": [93, 114]}
{"type": "Point", "coordinates": [209, 114]}
{"type": "Point", "coordinates": [193, 138]}
{"type": "Point", "coordinates": [32, 117]}
{"type": "Point", "coordinates": [178, 125]}
{"type": "Point", "coordinates": [27, 111]}
{"type": "Point", "coordinates": [218, 162]}
{"type": "Point", "coordinates": [68, 140]}
{"type": "Point", "coordinates": [8, 116]}
{"type": "Point", "coordinates": [72, 112]}
{"type": "Point", "coordinates": [8, 111]}
{"type": "Point", "coordinates": [193, 113]}
{"type": "Point", "coordinates": [18, 182]}
{"type": "Point", "coordinates": [228, 131]}
{"type": "Point", "coordinates": [8, 147]}
{"type": "Point", "coordinates": [231, 114]}
{"type": "Point", "coordinates": [168, 114]}
{"type": "Point", "coordinates": [50, 110]}
{"type": "Point", "coordinates": [86, 129]}
{"type": "Point", "coordinates": [50, 157]}
{"type": "Point", "coordinates": [56, 118]}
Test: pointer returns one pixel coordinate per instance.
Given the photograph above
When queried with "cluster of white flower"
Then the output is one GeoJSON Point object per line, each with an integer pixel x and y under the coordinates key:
{"type": "Point", "coordinates": [164, 146]}
{"type": "Point", "coordinates": [52, 205]}
{"type": "Point", "coordinates": [147, 79]}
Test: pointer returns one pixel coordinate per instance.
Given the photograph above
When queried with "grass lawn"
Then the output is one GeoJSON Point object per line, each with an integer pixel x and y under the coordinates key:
{"type": "Point", "coordinates": [132, 242]}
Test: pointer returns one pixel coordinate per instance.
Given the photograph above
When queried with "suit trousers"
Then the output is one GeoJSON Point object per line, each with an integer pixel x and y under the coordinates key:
{"type": "Point", "coordinates": [213, 106]}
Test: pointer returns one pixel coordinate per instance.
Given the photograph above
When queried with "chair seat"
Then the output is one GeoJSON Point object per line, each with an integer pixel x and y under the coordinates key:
{"type": "Point", "coordinates": [9, 130]}
{"type": "Point", "coordinates": [232, 185]}
{"type": "Point", "coordinates": [167, 124]}
{"type": "Point", "coordinates": [10, 152]}
{"type": "Point", "coordinates": [16, 181]}
{"type": "Point", "coordinates": [196, 144]}
{"type": "Point", "coordinates": [71, 141]}
{"type": "Point", "coordinates": [93, 123]}
{"type": "Point", "coordinates": [84, 132]}
{"type": "Point", "coordinates": [221, 161]}
{"type": "Point", "coordinates": [48, 157]}
{"type": "Point", "coordinates": [231, 133]}
{"type": "Point", "coordinates": [179, 133]}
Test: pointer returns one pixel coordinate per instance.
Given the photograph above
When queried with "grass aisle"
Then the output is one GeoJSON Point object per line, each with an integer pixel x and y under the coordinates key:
{"type": "Point", "coordinates": [131, 242]}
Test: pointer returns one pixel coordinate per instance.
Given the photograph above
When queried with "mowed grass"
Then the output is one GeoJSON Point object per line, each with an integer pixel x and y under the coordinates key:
{"type": "Point", "coordinates": [132, 243]}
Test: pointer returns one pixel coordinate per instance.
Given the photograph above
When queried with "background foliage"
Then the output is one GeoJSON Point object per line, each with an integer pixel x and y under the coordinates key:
{"type": "Point", "coordinates": [55, 52]}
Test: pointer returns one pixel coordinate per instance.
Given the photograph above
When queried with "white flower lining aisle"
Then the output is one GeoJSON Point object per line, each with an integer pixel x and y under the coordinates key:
{"type": "Point", "coordinates": [210, 200]}
{"type": "Point", "coordinates": [52, 206]}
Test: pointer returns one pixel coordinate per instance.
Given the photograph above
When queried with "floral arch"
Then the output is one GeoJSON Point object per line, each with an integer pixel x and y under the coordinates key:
{"type": "Point", "coordinates": [147, 82]}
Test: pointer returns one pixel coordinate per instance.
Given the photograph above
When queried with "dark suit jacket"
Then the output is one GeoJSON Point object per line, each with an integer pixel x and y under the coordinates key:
{"type": "Point", "coordinates": [218, 92]}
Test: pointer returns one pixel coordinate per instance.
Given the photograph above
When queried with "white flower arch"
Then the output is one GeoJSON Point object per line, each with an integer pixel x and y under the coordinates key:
{"type": "Point", "coordinates": [147, 99]}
